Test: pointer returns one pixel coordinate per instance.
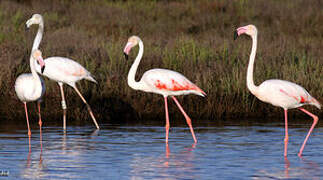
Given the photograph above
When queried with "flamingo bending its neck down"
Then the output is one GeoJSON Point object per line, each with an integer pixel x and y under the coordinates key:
{"type": "Point", "coordinates": [277, 92]}
{"type": "Point", "coordinates": [30, 87]}
{"type": "Point", "coordinates": [61, 69]}
{"type": "Point", "coordinates": [161, 81]}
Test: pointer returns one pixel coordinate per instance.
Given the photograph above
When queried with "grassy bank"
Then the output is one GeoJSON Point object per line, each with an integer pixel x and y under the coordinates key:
{"type": "Point", "coordinates": [191, 37]}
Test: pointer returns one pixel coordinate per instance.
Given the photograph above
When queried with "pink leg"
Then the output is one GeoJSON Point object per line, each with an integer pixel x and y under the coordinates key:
{"type": "Point", "coordinates": [29, 154]}
{"type": "Point", "coordinates": [287, 164]}
{"type": "Point", "coordinates": [63, 105]}
{"type": "Point", "coordinates": [166, 163]}
{"type": "Point", "coordinates": [188, 119]}
{"type": "Point", "coordinates": [40, 125]}
{"type": "Point", "coordinates": [167, 151]}
{"type": "Point", "coordinates": [29, 132]}
{"type": "Point", "coordinates": [315, 118]}
{"type": "Point", "coordinates": [286, 133]}
{"type": "Point", "coordinates": [167, 120]}
{"type": "Point", "coordinates": [88, 107]}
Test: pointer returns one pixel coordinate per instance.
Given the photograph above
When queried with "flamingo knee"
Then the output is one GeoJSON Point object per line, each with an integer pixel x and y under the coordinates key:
{"type": "Point", "coordinates": [64, 104]}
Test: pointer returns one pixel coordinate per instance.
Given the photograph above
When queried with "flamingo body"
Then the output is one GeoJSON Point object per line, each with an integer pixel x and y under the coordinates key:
{"type": "Point", "coordinates": [30, 87]}
{"type": "Point", "coordinates": [61, 69]}
{"type": "Point", "coordinates": [26, 88]}
{"type": "Point", "coordinates": [284, 94]}
{"type": "Point", "coordinates": [161, 81]}
{"type": "Point", "coordinates": [64, 70]}
{"type": "Point", "coordinates": [168, 83]}
{"type": "Point", "coordinates": [277, 92]}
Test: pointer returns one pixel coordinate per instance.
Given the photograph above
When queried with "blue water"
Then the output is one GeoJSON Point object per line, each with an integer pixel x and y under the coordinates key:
{"type": "Point", "coordinates": [139, 152]}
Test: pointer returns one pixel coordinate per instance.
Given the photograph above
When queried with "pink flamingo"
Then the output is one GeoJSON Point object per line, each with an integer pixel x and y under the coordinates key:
{"type": "Point", "coordinates": [61, 69]}
{"type": "Point", "coordinates": [161, 81]}
{"type": "Point", "coordinates": [30, 87]}
{"type": "Point", "coordinates": [277, 92]}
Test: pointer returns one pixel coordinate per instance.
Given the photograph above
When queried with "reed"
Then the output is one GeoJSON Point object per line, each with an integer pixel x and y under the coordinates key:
{"type": "Point", "coordinates": [191, 37]}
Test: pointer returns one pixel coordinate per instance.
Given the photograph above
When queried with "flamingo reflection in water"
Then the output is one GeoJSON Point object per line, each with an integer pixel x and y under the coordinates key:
{"type": "Point", "coordinates": [34, 168]}
{"type": "Point", "coordinates": [306, 170]}
{"type": "Point", "coordinates": [180, 158]}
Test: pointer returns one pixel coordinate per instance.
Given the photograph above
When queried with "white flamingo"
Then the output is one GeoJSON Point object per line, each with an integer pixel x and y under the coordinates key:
{"type": "Point", "coordinates": [161, 81]}
{"type": "Point", "coordinates": [30, 87]}
{"type": "Point", "coordinates": [277, 92]}
{"type": "Point", "coordinates": [61, 69]}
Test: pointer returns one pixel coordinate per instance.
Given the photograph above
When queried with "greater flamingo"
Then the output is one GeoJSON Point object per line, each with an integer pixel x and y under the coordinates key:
{"type": "Point", "coordinates": [30, 87]}
{"type": "Point", "coordinates": [161, 81]}
{"type": "Point", "coordinates": [277, 92]}
{"type": "Point", "coordinates": [61, 69]}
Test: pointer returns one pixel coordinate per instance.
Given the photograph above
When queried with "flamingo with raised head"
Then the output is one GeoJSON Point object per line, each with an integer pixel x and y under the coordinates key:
{"type": "Point", "coordinates": [161, 81]}
{"type": "Point", "coordinates": [30, 87]}
{"type": "Point", "coordinates": [277, 92]}
{"type": "Point", "coordinates": [61, 69]}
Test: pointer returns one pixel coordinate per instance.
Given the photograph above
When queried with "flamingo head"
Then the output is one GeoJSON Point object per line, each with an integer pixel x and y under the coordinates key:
{"type": "Point", "coordinates": [37, 54]}
{"type": "Point", "coordinates": [250, 30]}
{"type": "Point", "coordinates": [132, 42]}
{"type": "Point", "coordinates": [35, 19]}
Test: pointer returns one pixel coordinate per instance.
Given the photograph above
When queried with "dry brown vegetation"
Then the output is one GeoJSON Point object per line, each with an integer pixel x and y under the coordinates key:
{"type": "Point", "coordinates": [191, 37]}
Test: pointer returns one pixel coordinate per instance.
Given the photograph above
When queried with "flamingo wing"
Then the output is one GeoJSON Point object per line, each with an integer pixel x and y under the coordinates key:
{"type": "Point", "coordinates": [64, 70]}
{"type": "Point", "coordinates": [284, 94]}
{"type": "Point", "coordinates": [171, 81]}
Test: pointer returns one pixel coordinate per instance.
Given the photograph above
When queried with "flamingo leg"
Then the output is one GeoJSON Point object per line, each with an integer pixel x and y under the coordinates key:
{"type": "Point", "coordinates": [88, 107]}
{"type": "Point", "coordinates": [188, 119]}
{"type": "Point", "coordinates": [286, 133]}
{"type": "Point", "coordinates": [287, 164]}
{"type": "Point", "coordinates": [40, 125]}
{"type": "Point", "coordinates": [29, 132]}
{"type": "Point", "coordinates": [167, 152]}
{"type": "Point", "coordinates": [315, 120]}
{"type": "Point", "coordinates": [167, 119]}
{"type": "Point", "coordinates": [63, 105]}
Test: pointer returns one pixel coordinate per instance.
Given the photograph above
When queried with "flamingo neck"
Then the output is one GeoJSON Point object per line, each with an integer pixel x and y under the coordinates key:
{"type": "Point", "coordinates": [39, 36]}
{"type": "Point", "coordinates": [132, 72]}
{"type": "Point", "coordinates": [250, 83]}
{"type": "Point", "coordinates": [36, 77]}
{"type": "Point", "coordinates": [36, 43]}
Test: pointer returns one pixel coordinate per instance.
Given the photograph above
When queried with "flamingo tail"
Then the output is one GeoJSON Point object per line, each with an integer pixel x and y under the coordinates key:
{"type": "Point", "coordinates": [200, 92]}
{"type": "Point", "coordinates": [90, 78]}
{"type": "Point", "coordinates": [315, 103]}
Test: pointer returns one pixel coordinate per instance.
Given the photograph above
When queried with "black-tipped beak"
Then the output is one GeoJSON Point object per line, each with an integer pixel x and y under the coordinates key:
{"type": "Point", "coordinates": [42, 69]}
{"type": "Point", "coordinates": [125, 55]}
{"type": "Point", "coordinates": [235, 35]}
{"type": "Point", "coordinates": [26, 28]}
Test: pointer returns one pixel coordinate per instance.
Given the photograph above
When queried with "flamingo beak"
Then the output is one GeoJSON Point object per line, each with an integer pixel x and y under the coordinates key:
{"type": "Point", "coordinates": [235, 35]}
{"type": "Point", "coordinates": [125, 55]}
{"type": "Point", "coordinates": [27, 25]}
{"type": "Point", "coordinates": [127, 49]}
{"type": "Point", "coordinates": [42, 69]}
{"type": "Point", "coordinates": [26, 28]}
{"type": "Point", "coordinates": [42, 65]}
{"type": "Point", "coordinates": [239, 31]}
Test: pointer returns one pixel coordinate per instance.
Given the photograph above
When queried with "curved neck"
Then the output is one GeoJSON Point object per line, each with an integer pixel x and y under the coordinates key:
{"type": "Point", "coordinates": [36, 43]}
{"type": "Point", "coordinates": [39, 36]}
{"type": "Point", "coordinates": [132, 72]}
{"type": "Point", "coordinates": [250, 83]}
{"type": "Point", "coordinates": [32, 62]}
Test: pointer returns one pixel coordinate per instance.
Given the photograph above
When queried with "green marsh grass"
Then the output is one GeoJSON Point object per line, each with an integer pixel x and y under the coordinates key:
{"type": "Point", "coordinates": [194, 38]}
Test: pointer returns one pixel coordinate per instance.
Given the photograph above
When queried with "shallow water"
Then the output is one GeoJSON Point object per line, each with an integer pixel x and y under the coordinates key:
{"type": "Point", "coordinates": [139, 152]}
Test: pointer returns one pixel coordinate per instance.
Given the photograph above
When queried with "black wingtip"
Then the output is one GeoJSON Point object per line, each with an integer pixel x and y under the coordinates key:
{"type": "Point", "coordinates": [42, 69]}
{"type": "Point", "coordinates": [235, 35]}
{"type": "Point", "coordinates": [125, 55]}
